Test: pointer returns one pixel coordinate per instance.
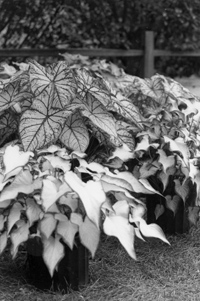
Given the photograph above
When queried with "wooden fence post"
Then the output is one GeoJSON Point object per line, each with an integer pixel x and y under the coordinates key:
{"type": "Point", "coordinates": [149, 54]}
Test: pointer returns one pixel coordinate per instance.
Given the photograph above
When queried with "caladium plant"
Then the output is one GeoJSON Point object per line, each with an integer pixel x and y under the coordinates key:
{"type": "Point", "coordinates": [149, 130]}
{"type": "Point", "coordinates": [43, 195]}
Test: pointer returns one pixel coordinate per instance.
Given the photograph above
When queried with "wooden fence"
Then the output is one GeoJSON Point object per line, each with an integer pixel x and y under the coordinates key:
{"type": "Point", "coordinates": [148, 53]}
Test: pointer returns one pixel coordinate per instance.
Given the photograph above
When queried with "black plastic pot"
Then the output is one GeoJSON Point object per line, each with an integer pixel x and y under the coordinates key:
{"type": "Point", "coordinates": [72, 271]}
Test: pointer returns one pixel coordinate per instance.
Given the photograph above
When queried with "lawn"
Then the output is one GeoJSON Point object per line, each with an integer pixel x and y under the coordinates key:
{"type": "Point", "coordinates": [162, 272]}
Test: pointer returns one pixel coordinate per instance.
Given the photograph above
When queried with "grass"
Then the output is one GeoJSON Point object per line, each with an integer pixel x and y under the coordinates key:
{"type": "Point", "coordinates": [162, 272]}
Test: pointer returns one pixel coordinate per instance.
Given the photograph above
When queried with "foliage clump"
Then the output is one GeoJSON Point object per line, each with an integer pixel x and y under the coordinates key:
{"type": "Point", "coordinates": [148, 131]}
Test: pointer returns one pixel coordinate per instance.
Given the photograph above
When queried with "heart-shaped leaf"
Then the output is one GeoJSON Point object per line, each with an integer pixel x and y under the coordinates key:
{"type": "Point", "coordinates": [3, 241]}
{"type": "Point", "coordinates": [51, 192]}
{"type": "Point", "coordinates": [14, 158]}
{"type": "Point", "coordinates": [33, 211]}
{"type": "Point", "coordinates": [152, 230]}
{"type": "Point", "coordinates": [182, 189]}
{"type": "Point", "coordinates": [14, 215]}
{"type": "Point", "coordinates": [173, 203]}
{"type": "Point", "coordinates": [90, 193]}
{"type": "Point", "coordinates": [58, 76]}
{"type": "Point", "coordinates": [99, 115]}
{"type": "Point", "coordinates": [91, 241]}
{"type": "Point", "coordinates": [119, 227]}
{"type": "Point", "coordinates": [166, 161]}
{"type": "Point", "coordinates": [23, 183]}
{"type": "Point", "coordinates": [53, 252]}
{"type": "Point", "coordinates": [47, 225]}
{"type": "Point", "coordinates": [75, 134]}
{"type": "Point", "coordinates": [159, 210]}
{"type": "Point", "coordinates": [67, 230]}
{"type": "Point", "coordinates": [19, 236]}
{"type": "Point", "coordinates": [42, 123]}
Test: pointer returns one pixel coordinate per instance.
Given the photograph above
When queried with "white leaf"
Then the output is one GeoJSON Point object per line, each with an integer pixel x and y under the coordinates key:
{"type": "Point", "coordinates": [178, 145]}
{"type": "Point", "coordinates": [172, 203]}
{"type": "Point", "coordinates": [166, 161]}
{"type": "Point", "coordinates": [2, 181]}
{"type": "Point", "coordinates": [159, 210]}
{"type": "Point", "coordinates": [14, 158]}
{"type": "Point", "coordinates": [53, 252]}
{"type": "Point", "coordinates": [33, 211]}
{"type": "Point", "coordinates": [152, 230]}
{"type": "Point", "coordinates": [147, 185]}
{"type": "Point", "coordinates": [71, 200]}
{"type": "Point", "coordinates": [90, 193]}
{"type": "Point", "coordinates": [51, 192]}
{"type": "Point", "coordinates": [3, 241]}
{"type": "Point", "coordinates": [19, 236]}
{"type": "Point", "coordinates": [47, 225]}
{"type": "Point", "coordinates": [76, 218]}
{"type": "Point", "coordinates": [58, 162]}
{"type": "Point", "coordinates": [67, 230]}
{"type": "Point", "coordinates": [90, 241]}
{"type": "Point", "coordinates": [182, 189]}
{"type": "Point", "coordinates": [120, 227]}
{"type": "Point", "coordinates": [23, 183]}
{"type": "Point", "coordinates": [14, 215]}
{"type": "Point", "coordinates": [123, 152]}
{"type": "Point", "coordinates": [2, 220]}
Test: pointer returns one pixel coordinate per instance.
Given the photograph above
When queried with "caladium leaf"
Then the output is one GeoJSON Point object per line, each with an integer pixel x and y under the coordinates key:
{"type": "Point", "coordinates": [67, 230]}
{"type": "Point", "coordinates": [76, 218]}
{"type": "Point", "coordinates": [148, 187]}
{"type": "Point", "coordinates": [91, 241]}
{"type": "Point", "coordinates": [128, 110]}
{"type": "Point", "coordinates": [99, 115]}
{"type": "Point", "coordinates": [71, 200]}
{"type": "Point", "coordinates": [173, 203]}
{"type": "Point", "coordinates": [58, 162]}
{"type": "Point", "coordinates": [119, 182]}
{"type": "Point", "coordinates": [53, 252]}
{"type": "Point", "coordinates": [14, 215]}
{"type": "Point", "coordinates": [2, 182]}
{"type": "Point", "coordinates": [148, 168]}
{"type": "Point", "coordinates": [14, 158]}
{"type": "Point", "coordinates": [12, 94]}
{"type": "Point", "coordinates": [164, 177]}
{"type": "Point", "coordinates": [2, 220]}
{"type": "Point", "coordinates": [152, 230]}
{"type": "Point", "coordinates": [23, 183]}
{"type": "Point", "coordinates": [75, 134]}
{"type": "Point", "coordinates": [193, 215]}
{"type": "Point", "coordinates": [33, 211]}
{"type": "Point", "coordinates": [91, 85]}
{"type": "Point", "coordinates": [42, 123]}
{"type": "Point", "coordinates": [58, 76]}
{"type": "Point", "coordinates": [178, 145]}
{"type": "Point", "coordinates": [90, 193]}
{"type": "Point", "coordinates": [3, 241]}
{"type": "Point", "coordinates": [166, 161]}
{"type": "Point", "coordinates": [182, 189]}
{"type": "Point", "coordinates": [19, 236]}
{"type": "Point", "coordinates": [119, 227]}
{"type": "Point", "coordinates": [8, 125]}
{"type": "Point", "coordinates": [51, 192]}
{"type": "Point", "coordinates": [159, 210]}
{"type": "Point", "coordinates": [125, 133]}
{"type": "Point", "coordinates": [123, 152]}
{"type": "Point", "coordinates": [47, 225]}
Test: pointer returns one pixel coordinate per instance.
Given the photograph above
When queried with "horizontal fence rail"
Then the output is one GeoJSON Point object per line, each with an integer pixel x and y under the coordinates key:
{"type": "Point", "coordinates": [148, 53]}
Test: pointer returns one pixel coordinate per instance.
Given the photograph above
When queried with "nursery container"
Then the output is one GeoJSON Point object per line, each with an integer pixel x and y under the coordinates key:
{"type": "Point", "coordinates": [72, 271]}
